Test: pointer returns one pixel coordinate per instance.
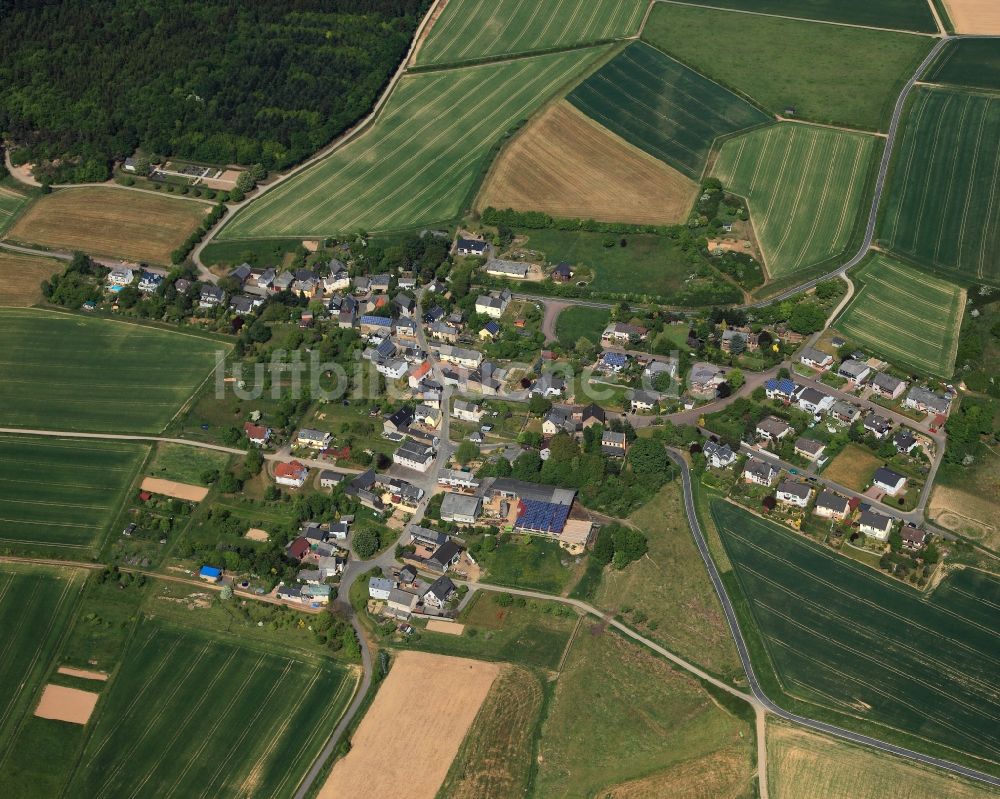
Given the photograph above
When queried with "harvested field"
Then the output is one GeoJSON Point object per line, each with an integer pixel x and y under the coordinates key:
{"type": "Point", "coordinates": [974, 16]}
{"type": "Point", "coordinates": [134, 225]}
{"type": "Point", "coordinates": [83, 674]}
{"type": "Point", "coordinates": [21, 277]}
{"type": "Point", "coordinates": [171, 489]}
{"type": "Point", "coordinates": [973, 513]}
{"type": "Point", "coordinates": [720, 775]}
{"type": "Point", "coordinates": [66, 704]}
{"type": "Point", "coordinates": [12, 200]}
{"type": "Point", "coordinates": [853, 467]}
{"type": "Point", "coordinates": [567, 165]}
{"type": "Point", "coordinates": [449, 627]}
{"type": "Point", "coordinates": [393, 735]}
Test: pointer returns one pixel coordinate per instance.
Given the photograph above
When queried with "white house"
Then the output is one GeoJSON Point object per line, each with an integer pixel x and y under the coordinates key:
{"type": "Point", "coordinates": [379, 587]}
{"type": "Point", "coordinates": [439, 592]}
{"type": "Point", "coordinates": [467, 411]}
{"type": "Point", "coordinates": [121, 277]}
{"type": "Point", "coordinates": [815, 358]}
{"type": "Point", "coordinates": [855, 371]}
{"type": "Point", "coordinates": [414, 455]}
{"type": "Point", "coordinates": [888, 481]}
{"type": "Point", "coordinates": [468, 359]}
{"type": "Point", "coordinates": [292, 474]}
{"type": "Point", "coordinates": [313, 439]}
{"type": "Point", "coordinates": [792, 493]}
{"type": "Point", "coordinates": [830, 505]}
{"type": "Point", "coordinates": [771, 428]}
{"type": "Point", "coordinates": [874, 525]}
{"type": "Point", "coordinates": [922, 399]}
{"type": "Point", "coordinates": [493, 304]}
{"type": "Point", "coordinates": [759, 472]}
{"type": "Point", "coordinates": [471, 247]}
{"type": "Point", "coordinates": [885, 385]}
{"type": "Point", "coordinates": [718, 456]}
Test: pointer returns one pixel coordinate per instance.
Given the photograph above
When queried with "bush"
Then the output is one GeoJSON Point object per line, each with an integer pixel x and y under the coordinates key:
{"type": "Point", "coordinates": [365, 543]}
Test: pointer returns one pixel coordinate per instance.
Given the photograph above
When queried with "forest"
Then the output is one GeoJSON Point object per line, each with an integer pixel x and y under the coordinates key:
{"type": "Point", "coordinates": [86, 82]}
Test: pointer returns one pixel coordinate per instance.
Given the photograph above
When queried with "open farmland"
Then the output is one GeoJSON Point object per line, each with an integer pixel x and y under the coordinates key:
{"type": "Point", "coordinates": [69, 510]}
{"type": "Point", "coordinates": [21, 276]}
{"type": "Point", "coordinates": [420, 159]}
{"type": "Point", "coordinates": [942, 206]}
{"type": "Point", "coordinates": [828, 73]}
{"type": "Point", "coordinates": [974, 16]}
{"type": "Point", "coordinates": [804, 765]}
{"type": "Point", "coordinates": [805, 186]}
{"type": "Point", "coordinates": [475, 29]}
{"type": "Point", "coordinates": [662, 107]}
{"type": "Point", "coordinates": [567, 165]}
{"type": "Point", "coordinates": [968, 62]}
{"type": "Point", "coordinates": [12, 200]}
{"type": "Point", "coordinates": [899, 14]}
{"type": "Point", "coordinates": [189, 715]}
{"type": "Point", "coordinates": [835, 640]}
{"type": "Point", "coordinates": [69, 372]}
{"type": "Point", "coordinates": [135, 225]}
{"type": "Point", "coordinates": [905, 315]}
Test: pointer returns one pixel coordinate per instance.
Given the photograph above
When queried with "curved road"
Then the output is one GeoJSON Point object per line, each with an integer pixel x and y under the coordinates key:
{"type": "Point", "coordinates": [758, 692]}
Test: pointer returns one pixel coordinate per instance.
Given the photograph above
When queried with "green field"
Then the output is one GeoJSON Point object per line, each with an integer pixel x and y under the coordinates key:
{"type": "Point", "coordinates": [189, 715]}
{"type": "Point", "coordinates": [62, 494]}
{"type": "Point", "coordinates": [662, 107]}
{"type": "Point", "coordinates": [185, 464]}
{"type": "Point", "coordinates": [474, 29]}
{"type": "Point", "coordinates": [905, 315]}
{"type": "Point", "coordinates": [805, 186]}
{"type": "Point", "coordinates": [942, 206]}
{"type": "Point", "coordinates": [968, 62]}
{"type": "Point", "coordinates": [418, 162]}
{"type": "Point", "coordinates": [835, 640]}
{"type": "Point", "coordinates": [579, 321]}
{"type": "Point", "coordinates": [898, 14]}
{"type": "Point", "coordinates": [827, 73]}
{"type": "Point", "coordinates": [70, 372]}
{"type": "Point", "coordinates": [12, 200]}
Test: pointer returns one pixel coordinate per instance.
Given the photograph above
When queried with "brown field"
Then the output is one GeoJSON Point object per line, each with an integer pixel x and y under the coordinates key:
{"type": "Point", "coordinates": [974, 16]}
{"type": "Point", "coordinates": [449, 627]}
{"type": "Point", "coordinates": [972, 515]}
{"type": "Point", "coordinates": [66, 704]}
{"type": "Point", "coordinates": [169, 488]}
{"type": "Point", "coordinates": [134, 225]}
{"type": "Point", "coordinates": [83, 673]}
{"type": "Point", "coordinates": [256, 534]}
{"type": "Point", "coordinates": [410, 735]}
{"type": "Point", "coordinates": [853, 467]}
{"type": "Point", "coordinates": [21, 277]}
{"type": "Point", "coordinates": [805, 765]}
{"type": "Point", "coordinates": [720, 775]}
{"type": "Point", "coordinates": [567, 165]}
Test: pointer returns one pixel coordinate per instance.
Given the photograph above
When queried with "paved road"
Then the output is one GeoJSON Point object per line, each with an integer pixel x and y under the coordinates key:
{"type": "Point", "coordinates": [758, 693]}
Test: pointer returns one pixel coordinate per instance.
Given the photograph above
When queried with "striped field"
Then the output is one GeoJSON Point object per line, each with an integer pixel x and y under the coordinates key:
{"type": "Point", "coordinates": [11, 202]}
{"type": "Point", "coordinates": [906, 316]}
{"type": "Point", "coordinates": [662, 107]}
{"type": "Point", "coordinates": [474, 29]}
{"type": "Point", "coordinates": [805, 186]}
{"type": "Point", "coordinates": [60, 495]}
{"type": "Point", "coordinates": [942, 207]}
{"type": "Point", "coordinates": [191, 716]}
{"type": "Point", "coordinates": [417, 163]}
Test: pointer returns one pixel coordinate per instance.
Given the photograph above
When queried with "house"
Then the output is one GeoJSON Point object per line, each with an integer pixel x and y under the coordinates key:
{"type": "Point", "coordinates": [405, 329]}
{"type": "Point", "coordinates": [468, 359]}
{"type": "Point", "coordinates": [461, 508]}
{"type": "Point", "coordinates": [458, 479]}
{"type": "Point", "coordinates": [771, 428]}
{"type": "Point", "coordinates": [425, 537]}
{"type": "Point", "coordinates": [643, 400]}
{"type": "Point", "coordinates": [121, 277]}
{"type": "Point", "coordinates": [339, 530]}
{"type": "Point", "coordinates": [418, 373]}
{"type": "Point", "coordinates": [705, 378]}
{"type": "Point", "coordinates": [885, 385]}
{"type": "Point", "coordinates": [612, 361]}
{"type": "Point", "coordinates": [398, 421]}
{"type": "Point", "coordinates": [149, 281]}
{"type": "Point", "coordinates": [913, 537]}
{"type": "Point", "coordinates": [401, 603]}
{"type": "Point", "coordinates": [407, 280]}
{"type": "Point", "coordinates": [759, 472]}
{"type": "Point", "coordinates": [331, 566]}
{"type": "Point", "coordinates": [473, 247]}
{"type": "Point", "coordinates": [656, 368]}
{"type": "Point", "coordinates": [317, 594]}
{"type": "Point", "coordinates": [379, 587]}
{"type": "Point", "coordinates": [407, 305]}
{"type": "Point", "coordinates": [844, 412]}
{"type": "Point", "coordinates": [467, 411]}
{"type": "Point", "coordinates": [904, 441]}
{"type": "Point", "coordinates": [265, 280]}
{"type": "Point", "coordinates": [482, 380]}
{"type": "Point", "coordinates": [210, 296]}
{"type": "Point", "coordinates": [182, 285]}
{"type": "Point", "coordinates": [737, 341]}
{"type": "Point", "coordinates": [371, 325]}
{"type": "Point", "coordinates": [493, 304]}
{"type": "Point", "coordinates": [718, 456]}
{"type": "Point", "coordinates": [830, 505]}
{"type": "Point", "coordinates": [243, 304]}
{"type": "Point", "coordinates": [298, 548]}
{"type": "Point", "coordinates": [791, 492]}
{"type": "Point", "coordinates": [490, 330]}
{"type": "Point", "coordinates": [815, 358]}
{"type": "Point", "coordinates": [291, 474]}
{"type": "Point", "coordinates": [557, 421]}
{"type": "Point", "coordinates": [591, 415]}
{"type": "Point", "coordinates": [414, 455]}
{"type": "Point", "coordinates": [380, 283]}
{"type": "Point", "coordinates": [877, 425]}
{"type": "Point", "coordinates": [210, 574]}
{"type": "Point", "coordinates": [330, 479]}
{"type": "Point", "coordinates": [256, 433]}
{"type": "Point", "coordinates": [289, 592]}
{"type": "Point", "coordinates": [562, 273]}
{"type": "Point", "coordinates": [622, 333]}
{"type": "Point", "coordinates": [921, 399]}
{"type": "Point", "coordinates": [129, 165]}
{"type": "Point", "coordinates": [874, 524]}
{"type": "Point", "coordinates": [809, 448]}
{"type": "Point", "coordinates": [439, 592]}
{"type": "Point", "coordinates": [313, 439]}
{"type": "Point", "coordinates": [812, 400]}
{"type": "Point", "coordinates": [780, 389]}
{"type": "Point", "coordinates": [548, 385]}
{"type": "Point", "coordinates": [613, 444]}
{"type": "Point", "coordinates": [513, 269]}
{"type": "Point", "coordinates": [854, 370]}
{"type": "Point", "coordinates": [393, 370]}
{"type": "Point", "coordinates": [888, 481]}
{"type": "Point", "coordinates": [442, 331]}
{"type": "Point", "coordinates": [311, 576]}
{"type": "Point", "coordinates": [241, 274]}
{"type": "Point", "coordinates": [282, 282]}
{"type": "Point", "coordinates": [427, 415]}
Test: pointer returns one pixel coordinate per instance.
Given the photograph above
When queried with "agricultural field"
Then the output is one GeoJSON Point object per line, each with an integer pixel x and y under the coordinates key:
{"type": "Point", "coordinates": [417, 164]}
{"type": "Point", "coordinates": [805, 186]}
{"type": "Point", "coordinates": [827, 73]}
{"type": "Point", "coordinates": [905, 315]}
{"type": "Point", "coordinates": [972, 63]}
{"type": "Point", "coordinates": [623, 722]}
{"type": "Point", "coordinates": [579, 321]}
{"type": "Point", "coordinates": [662, 107]}
{"type": "Point", "coordinates": [21, 276]}
{"type": "Point", "coordinates": [567, 165]}
{"type": "Point", "coordinates": [134, 225]}
{"type": "Point", "coordinates": [942, 202]}
{"type": "Point", "coordinates": [71, 372]}
{"type": "Point", "coordinates": [974, 16]}
{"type": "Point", "coordinates": [802, 764]}
{"type": "Point", "coordinates": [189, 714]}
{"type": "Point", "coordinates": [66, 513]}
{"type": "Point", "coordinates": [835, 640]}
{"type": "Point", "coordinates": [469, 30]}
{"type": "Point", "coordinates": [898, 14]}
{"type": "Point", "coordinates": [12, 200]}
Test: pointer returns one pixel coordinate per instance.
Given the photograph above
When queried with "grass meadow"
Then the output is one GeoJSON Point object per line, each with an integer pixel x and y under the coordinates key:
{"type": "Point", "coordinates": [12, 200]}
{"type": "Point", "coordinates": [805, 186]}
{"type": "Point", "coordinates": [63, 371]}
{"type": "Point", "coordinates": [898, 14]}
{"type": "Point", "coordinates": [835, 640]}
{"type": "Point", "coordinates": [853, 467]}
{"type": "Point", "coordinates": [827, 73]}
{"type": "Point", "coordinates": [973, 63]}
{"type": "Point", "coordinates": [475, 29]}
{"type": "Point", "coordinates": [579, 321]}
{"type": "Point", "coordinates": [185, 464]}
{"type": "Point", "coordinates": [59, 496]}
{"type": "Point", "coordinates": [942, 203]}
{"type": "Point", "coordinates": [418, 162]}
{"type": "Point", "coordinates": [905, 315]}
{"type": "Point", "coordinates": [662, 107]}
{"type": "Point", "coordinates": [189, 715]}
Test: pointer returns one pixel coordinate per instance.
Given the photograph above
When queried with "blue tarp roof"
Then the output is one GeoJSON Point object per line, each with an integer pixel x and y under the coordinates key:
{"type": "Point", "coordinates": [210, 571]}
